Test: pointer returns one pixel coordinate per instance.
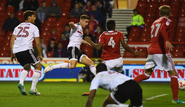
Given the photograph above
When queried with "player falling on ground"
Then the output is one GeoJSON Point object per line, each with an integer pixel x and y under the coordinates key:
{"type": "Point", "coordinates": [159, 52]}
{"type": "Point", "coordinates": [22, 49]}
{"type": "Point", "coordinates": [76, 39]}
{"type": "Point", "coordinates": [121, 87]}
{"type": "Point", "coordinates": [110, 41]}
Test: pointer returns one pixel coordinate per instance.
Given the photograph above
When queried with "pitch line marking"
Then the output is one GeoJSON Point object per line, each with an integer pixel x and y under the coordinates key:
{"type": "Point", "coordinates": [151, 98]}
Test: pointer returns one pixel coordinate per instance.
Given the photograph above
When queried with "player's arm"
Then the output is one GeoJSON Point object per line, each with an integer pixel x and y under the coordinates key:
{"type": "Point", "coordinates": [126, 47]}
{"type": "Point", "coordinates": [11, 48]}
{"type": "Point", "coordinates": [96, 46]}
{"type": "Point", "coordinates": [38, 46]}
{"type": "Point", "coordinates": [90, 98]}
{"type": "Point", "coordinates": [85, 42]}
{"type": "Point", "coordinates": [164, 34]}
{"type": "Point", "coordinates": [72, 25]}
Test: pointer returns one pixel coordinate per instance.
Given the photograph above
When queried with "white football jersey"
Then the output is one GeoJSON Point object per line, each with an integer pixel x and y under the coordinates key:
{"type": "Point", "coordinates": [25, 34]}
{"type": "Point", "coordinates": [76, 36]}
{"type": "Point", "coordinates": [108, 80]}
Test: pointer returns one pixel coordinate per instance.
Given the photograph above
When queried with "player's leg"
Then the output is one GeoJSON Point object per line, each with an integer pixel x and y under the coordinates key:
{"type": "Point", "coordinates": [149, 66]}
{"type": "Point", "coordinates": [119, 65]}
{"type": "Point", "coordinates": [108, 100]}
{"type": "Point", "coordinates": [73, 57]}
{"type": "Point", "coordinates": [85, 60]}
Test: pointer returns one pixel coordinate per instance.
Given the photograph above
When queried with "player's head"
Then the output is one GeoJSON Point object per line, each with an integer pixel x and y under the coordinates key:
{"type": "Point", "coordinates": [30, 16]}
{"type": "Point", "coordinates": [111, 25]}
{"type": "Point", "coordinates": [84, 20]}
{"type": "Point", "coordinates": [164, 10]}
{"type": "Point", "coordinates": [101, 67]}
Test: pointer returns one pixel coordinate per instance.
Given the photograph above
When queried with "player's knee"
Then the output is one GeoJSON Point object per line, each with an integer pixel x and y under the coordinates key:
{"type": "Point", "coordinates": [72, 66]}
{"type": "Point", "coordinates": [172, 72]}
{"type": "Point", "coordinates": [27, 67]}
{"type": "Point", "coordinates": [38, 66]}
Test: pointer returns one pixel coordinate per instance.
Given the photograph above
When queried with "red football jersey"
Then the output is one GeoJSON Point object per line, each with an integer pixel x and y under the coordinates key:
{"type": "Point", "coordinates": [111, 44]}
{"type": "Point", "coordinates": [159, 36]}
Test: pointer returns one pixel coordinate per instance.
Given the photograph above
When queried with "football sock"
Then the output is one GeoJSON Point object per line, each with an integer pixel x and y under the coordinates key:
{"type": "Point", "coordinates": [23, 77]}
{"type": "Point", "coordinates": [141, 77]}
{"type": "Point", "coordinates": [93, 69]}
{"type": "Point", "coordinates": [35, 79]}
{"type": "Point", "coordinates": [174, 87]}
{"type": "Point", "coordinates": [61, 65]}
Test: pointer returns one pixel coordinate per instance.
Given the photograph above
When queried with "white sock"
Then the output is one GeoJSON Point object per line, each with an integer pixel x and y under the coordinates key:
{"type": "Point", "coordinates": [115, 105]}
{"type": "Point", "coordinates": [35, 79]}
{"type": "Point", "coordinates": [23, 77]}
{"type": "Point", "coordinates": [93, 69]}
{"type": "Point", "coordinates": [62, 65]}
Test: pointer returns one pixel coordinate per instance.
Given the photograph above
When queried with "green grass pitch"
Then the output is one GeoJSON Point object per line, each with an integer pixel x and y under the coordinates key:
{"type": "Point", "coordinates": [69, 94]}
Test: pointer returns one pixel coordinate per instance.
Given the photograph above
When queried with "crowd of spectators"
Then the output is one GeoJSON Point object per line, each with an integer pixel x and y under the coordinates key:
{"type": "Point", "coordinates": [96, 9]}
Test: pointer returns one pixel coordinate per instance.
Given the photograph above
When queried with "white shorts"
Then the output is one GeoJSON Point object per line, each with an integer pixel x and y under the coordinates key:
{"type": "Point", "coordinates": [163, 61]}
{"type": "Point", "coordinates": [116, 64]}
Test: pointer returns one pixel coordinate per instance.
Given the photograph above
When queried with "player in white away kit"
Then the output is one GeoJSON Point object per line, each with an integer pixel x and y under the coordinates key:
{"type": "Point", "coordinates": [121, 87]}
{"type": "Point", "coordinates": [76, 39]}
{"type": "Point", "coordinates": [22, 49]}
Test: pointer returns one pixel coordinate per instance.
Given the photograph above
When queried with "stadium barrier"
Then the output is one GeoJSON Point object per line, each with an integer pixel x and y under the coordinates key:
{"type": "Point", "coordinates": [132, 67]}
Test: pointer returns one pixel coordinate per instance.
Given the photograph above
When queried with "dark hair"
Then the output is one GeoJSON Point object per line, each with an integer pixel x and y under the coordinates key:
{"type": "Point", "coordinates": [111, 25]}
{"type": "Point", "coordinates": [164, 10]}
{"type": "Point", "coordinates": [67, 25]}
{"type": "Point", "coordinates": [135, 10]}
{"type": "Point", "coordinates": [28, 13]}
{"type": "Point", "coordinates": [84, 16]}
{"type": "Point", "coordinates": [101, 67]}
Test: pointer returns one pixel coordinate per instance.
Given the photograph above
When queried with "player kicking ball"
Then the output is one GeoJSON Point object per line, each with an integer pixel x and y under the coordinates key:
{"type": "Point", "coordinates": [110, 41]}
{"type": "Point", "coordinates": [159, 52]}
{"type": "Point", "coordinates": [122, 88]}
{"type": "Point", "coordinates": [22, 49]}
{"type": "Point", "coordinates": [76, 39]}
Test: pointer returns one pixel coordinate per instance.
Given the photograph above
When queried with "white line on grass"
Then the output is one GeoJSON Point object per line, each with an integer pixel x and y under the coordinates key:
{"type": "Point", "coordinates": [151, 98]}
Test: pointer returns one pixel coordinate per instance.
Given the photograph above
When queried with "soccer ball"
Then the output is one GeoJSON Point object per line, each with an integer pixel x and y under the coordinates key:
{"type": "Point", "coordinates": [182, 85]}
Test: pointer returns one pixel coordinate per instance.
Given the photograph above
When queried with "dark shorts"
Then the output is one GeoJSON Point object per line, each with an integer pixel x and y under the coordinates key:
{"type": "Point", "coordinates": [128, 90]}
{"type": "Point", "coordinates": [27, 57]}
{"type": "Point", "coordinates": [75, 54]}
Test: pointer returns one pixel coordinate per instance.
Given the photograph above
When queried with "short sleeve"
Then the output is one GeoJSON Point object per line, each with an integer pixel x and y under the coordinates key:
{"type": "Point", "coordinates": [101, 38]}
{"type": "Point", "coordinates": [15, 32]}
{"type": "Point", "coordinates": [35, 32]}
{"type": "Point", "coordinates": [95, 83]}
{"type": "Point", "coordinates": [121, 35]}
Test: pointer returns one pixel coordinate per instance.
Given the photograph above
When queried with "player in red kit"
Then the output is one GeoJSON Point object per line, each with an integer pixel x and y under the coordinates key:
{"type": "Point", "coordinates": [159, 52]}
{"type": "Point", "coordinates": [110, 41]}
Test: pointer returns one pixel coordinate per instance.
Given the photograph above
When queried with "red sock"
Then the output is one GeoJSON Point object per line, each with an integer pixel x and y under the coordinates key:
{"type": "Point", "coordinates": [174, 87]}
{"type": "Point", "coordinates": [141, 77]}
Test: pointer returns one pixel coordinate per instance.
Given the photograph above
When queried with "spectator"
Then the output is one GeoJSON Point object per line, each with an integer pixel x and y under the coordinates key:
{"type": "Point", "coordinates": [54, 10]}
{"type": "Point", "coordinates": [30, 5]}
{"type": "Point", "coordinates": [97, 14]}
{"type": "Point", "coordinates": [21, 5]}
{"type": "Point", "coordinates": [108, 7]}
{"type": "Point", "coordinates": [76, 11]}
{"type": "Point", "coordinates": [137, 21]}
{"type": "Point", "coordinates": [10, 23]}
{"type": "Point", "coordinates": [101, 8]}
{"type": "Point", "coordinates": [52, 45]}
{"type": "Point", "coordinates": [59, 51]}
{"type": "Point", "coordinates": [54, 35]}
{"type": "Point", "coordinates": [38, 24]}
{"type": "Point", "coordinates": [92, 24]}
{"type": "Point", "coordinates": [67, 31]}
{"type": "Point", "coordinates": [73, 2]}
{"type": "Point", "coordinates": [96, 36]}
{"type": "Point", "coordinates": [87, 33]}
{"type": "Point", "coordinates": [44, 49]}
{"type": "Point", "coordinates": [41, 12]}
{"type": "Point", "coordinates": [82, 7]}
{"type": "Point", "coordinates": [13, 3]}
{"type": "Point", "coordinates": [87, 7]}
{"type": "Point", "coordinates": [64, 41]}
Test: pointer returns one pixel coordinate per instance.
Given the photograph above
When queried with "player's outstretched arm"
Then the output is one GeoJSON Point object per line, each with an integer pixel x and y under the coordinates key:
{"type": "Point", "coordinates": [38, 45]}
{"type": "Point", "coordinates": [90, 98]}
{"type": "Point", "coordinates": [72, 25]}
{"type": "Point", "coordinates": [96, 46]}
{"type": "Point", "coordinates": [126, 47]}
{"type": "Point", "coordinates": [11, 48]}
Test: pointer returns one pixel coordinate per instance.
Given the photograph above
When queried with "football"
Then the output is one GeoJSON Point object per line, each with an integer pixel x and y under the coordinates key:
{"type": "Point", "coordinates": [182, 85]}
